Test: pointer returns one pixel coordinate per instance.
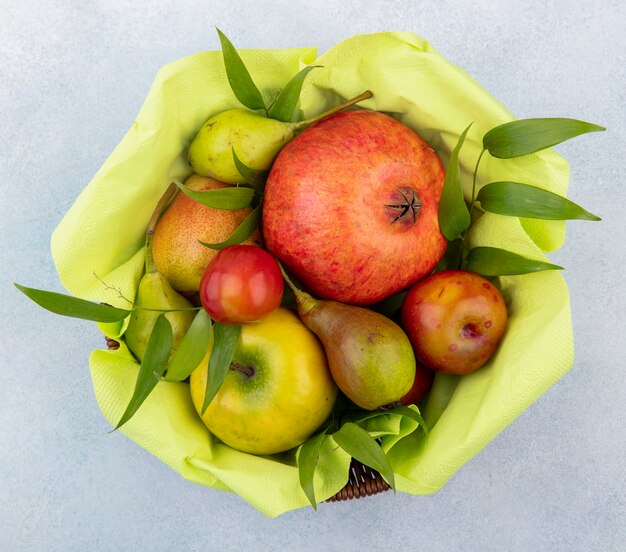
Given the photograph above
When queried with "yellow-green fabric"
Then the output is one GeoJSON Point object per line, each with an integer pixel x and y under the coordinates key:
{"type": "Point", "coordinates": [103, 232]}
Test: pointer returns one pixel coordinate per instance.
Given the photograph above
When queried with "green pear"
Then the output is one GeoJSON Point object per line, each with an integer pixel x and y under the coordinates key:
{"type": "Point", "coordinates": [155, 295]}
{"type": "Point", "coordinates": [369, 356]}
{"type": "Point", "coordinates": [255, 139]}
{"type": "Point", "coordinates": [155, 292]}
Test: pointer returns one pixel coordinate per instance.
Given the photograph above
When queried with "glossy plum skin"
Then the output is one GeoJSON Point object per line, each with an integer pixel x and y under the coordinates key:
{"type": "Point", "coordinates": [241, 284]}
{"type": "Point", "coordinates": [454, 320]}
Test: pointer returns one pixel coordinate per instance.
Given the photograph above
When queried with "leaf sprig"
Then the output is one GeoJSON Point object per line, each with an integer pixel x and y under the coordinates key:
{"type": "Point", "coordinates": [239, 78]}
{"type": "Point", "coordinates": [228, 199]}
{"type": "Point", "coordinates": [454, 217]}
{"type": "Point", "coordinates": [226, 339]}
{"type": "Point", "coordinates": [152, 366]}
{"type": "Point", "coordinates": [348, 434]}
{"type": "Point", "coordinates": [526, 136]}
{"type": "Point", "coordinates": [188, 356]}
{"type": "Point", "coordinates": [247, 92]}
{"type": "Point", "coordinates": [513, 139]}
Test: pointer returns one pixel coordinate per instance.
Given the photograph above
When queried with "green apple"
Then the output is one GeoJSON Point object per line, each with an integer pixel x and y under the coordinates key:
{"type": "Point", "coordinates": [277, 392]}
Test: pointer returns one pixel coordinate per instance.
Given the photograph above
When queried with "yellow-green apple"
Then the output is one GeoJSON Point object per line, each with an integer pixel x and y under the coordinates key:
{"type": "Point", "coordinates": [351, 205]}
{"type": "Point", "coordinates": [454, 320]}
{"type": "Point", "coordinates": [277, 392]}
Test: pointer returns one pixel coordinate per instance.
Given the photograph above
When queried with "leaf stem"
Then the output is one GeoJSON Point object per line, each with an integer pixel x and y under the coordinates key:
{"type": "Point", "coordinates": [474, 179]}
{"type": "Point", "coordinates": [471, 209]}
{"type": "Point", "coordinates": [163, 203]}
{"type": "Point", "coordinates": [118, 290]}
{"type": "Point", "coordinates": [134, 305]}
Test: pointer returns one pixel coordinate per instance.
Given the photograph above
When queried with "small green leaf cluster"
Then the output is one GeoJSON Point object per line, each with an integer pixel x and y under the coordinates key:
{"type": "Point", "coordinates": [186, 359]}
{"type": "Point", "coordinates": [347, 433]}
{"type": "Point", "coordinates": [154, 365]}
{"type": "Point", "coordinates": [513, 139]}
{"type": "Point", "coordinates": [242, 85]}
{"type": "Point", "coordinates": [234, 197]}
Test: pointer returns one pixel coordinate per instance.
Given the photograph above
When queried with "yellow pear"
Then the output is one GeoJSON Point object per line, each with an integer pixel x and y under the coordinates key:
{"type": "Point", "coordinates": [178, 254]}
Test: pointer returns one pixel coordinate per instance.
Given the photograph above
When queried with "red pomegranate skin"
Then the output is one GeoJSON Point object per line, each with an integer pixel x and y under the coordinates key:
{"type": "Point", "coordinates": [351, 207]}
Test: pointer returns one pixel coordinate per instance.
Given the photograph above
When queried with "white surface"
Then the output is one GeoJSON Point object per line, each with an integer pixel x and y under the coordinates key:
{"type": "Point", "coordinates": [73, 76]}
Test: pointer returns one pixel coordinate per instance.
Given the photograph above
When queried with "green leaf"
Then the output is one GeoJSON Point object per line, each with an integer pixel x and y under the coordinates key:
{"type": "Point", "coordinates": [242, 233]}
{"type": "Point", "coordinates": [225, 341]}
{"type": "Point", "coordinates": [287, 102]}
{"type": "Point", "coordinates": [192, 348]}
{"type": "Point", "coordinates": [360, 416]}
{"type": "Point", "coordinates": [307, 462]}
{"type": "Point", "coordinates": [491, 261]}
{"type": "Point", "coordinates": [239, 78]}
{"type": "Point", "coordinates": [358, 444]}
{"type": "Point", "coordinates": [233, 197]}
{"type": "Point", "coordinates": [66, 305]}
{"type": "Point", "coordinates": [530, 135]}
{"type": "Point", "coordinates": [152, 366]}
{"type": "Point", "coordinates": [255, 178]}
{"type": "Point", "coordinates": [454, 217]}
{"type": "Point", "coordinates": [522, 200]}
{"type": "Point", "coordinates": [409, 413]}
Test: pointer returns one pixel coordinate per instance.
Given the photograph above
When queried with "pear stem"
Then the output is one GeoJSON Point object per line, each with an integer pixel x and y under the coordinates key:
{"type": "Point", "coordinates": [163, 203]}
{"type": "Point", "coordinates": [306, 302]}
{"type": "Point", "coordinates": [364, 96]}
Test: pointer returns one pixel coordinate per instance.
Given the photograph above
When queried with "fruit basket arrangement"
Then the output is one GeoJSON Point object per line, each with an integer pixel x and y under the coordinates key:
{"type": "Point", "coordinates": [483, 196]}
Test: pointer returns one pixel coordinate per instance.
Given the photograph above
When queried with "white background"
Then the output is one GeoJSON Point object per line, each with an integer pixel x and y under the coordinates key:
{"type": "Point", "coordinates": [72, 78]}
